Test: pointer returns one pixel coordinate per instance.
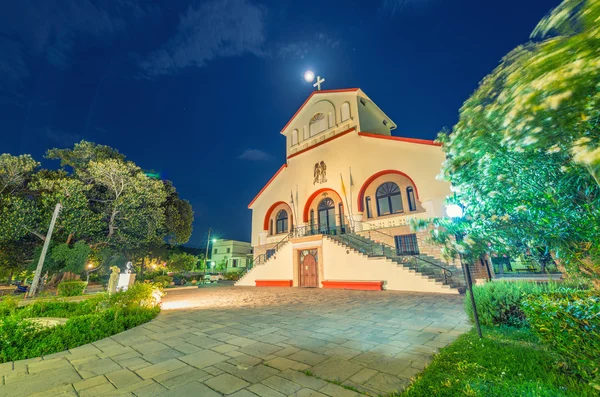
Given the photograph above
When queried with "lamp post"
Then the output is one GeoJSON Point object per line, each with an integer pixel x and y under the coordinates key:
{"type": "Point", "coordinates": [90, 266]}
{"type": "Point", "coordinates": [455, 212]}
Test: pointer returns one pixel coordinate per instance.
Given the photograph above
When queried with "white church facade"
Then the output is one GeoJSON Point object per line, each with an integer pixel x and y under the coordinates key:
{"type": "Point", "coordinates": [336, 214]}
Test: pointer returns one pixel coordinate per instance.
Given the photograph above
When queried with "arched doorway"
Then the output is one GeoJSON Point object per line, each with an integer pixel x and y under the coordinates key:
{"type": "Point", "coordinates": [326, 214]}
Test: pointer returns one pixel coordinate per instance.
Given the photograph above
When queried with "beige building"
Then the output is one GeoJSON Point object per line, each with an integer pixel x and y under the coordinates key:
{"type": "Point", "coordinates": [232, 255]}
{"type": "Point", "coordinates": [336, 213]}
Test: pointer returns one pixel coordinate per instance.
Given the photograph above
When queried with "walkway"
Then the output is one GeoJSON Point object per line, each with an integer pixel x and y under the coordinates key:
{"type": "Point", "coordinates": [248, 342]}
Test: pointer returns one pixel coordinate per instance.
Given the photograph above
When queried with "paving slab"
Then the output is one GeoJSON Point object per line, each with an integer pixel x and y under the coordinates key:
{"type": "Point", "coordinates": [246, 342]}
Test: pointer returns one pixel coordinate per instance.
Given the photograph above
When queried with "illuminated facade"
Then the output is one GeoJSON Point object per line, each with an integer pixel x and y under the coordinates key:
{"type": "Point", "coordinates": [348, 187]}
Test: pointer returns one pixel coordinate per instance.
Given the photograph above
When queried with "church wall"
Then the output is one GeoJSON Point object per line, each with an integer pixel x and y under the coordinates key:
{"type": "Point", "coordinates": [366, 156]}
{"type": "Point", "coordinates": [333, 104]}
{"type": "Point", "coordinates": [279, 267]}
{"type": "Point", "coordinates": [371, 119]}
{"type": "Point", "coordinates": [342, 266]}
{"type": "Point", "coordinates": [403, 183]}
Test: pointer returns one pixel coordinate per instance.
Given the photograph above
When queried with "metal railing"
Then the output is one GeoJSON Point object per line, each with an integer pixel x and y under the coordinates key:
{"type": "Point", "coordinates": [411, 260]}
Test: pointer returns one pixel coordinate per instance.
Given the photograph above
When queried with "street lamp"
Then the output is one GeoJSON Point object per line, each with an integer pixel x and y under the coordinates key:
{"type": "Point", "coordinates": [90, 268]}
{"type": "Point", "coordinates": [456, 212]}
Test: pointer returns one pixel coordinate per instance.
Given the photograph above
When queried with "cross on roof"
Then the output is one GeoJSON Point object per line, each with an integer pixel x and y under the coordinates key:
{"type": "Point", "coordinates": [318, 83]}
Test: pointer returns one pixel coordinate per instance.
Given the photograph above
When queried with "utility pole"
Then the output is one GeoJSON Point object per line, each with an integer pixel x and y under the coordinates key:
{"type": "Point", "coordinates": [38, 270]}
{"type": "Point", "coordinates": [206, 253]}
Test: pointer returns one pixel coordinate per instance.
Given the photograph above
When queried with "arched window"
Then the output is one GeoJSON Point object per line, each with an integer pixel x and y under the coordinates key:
{"type": "Point", "coordinates": [345, 111]}
{"type": "Point", "coordinates": [341, 210]}
{"type": "Point", "coordinates": [294, 137]}
{"type": "Point", "coordinates": [282, 222]}
{"type": "Point", "coordinates": [312, 219]}
{"type": "Point", "coordinates": [326, 215]}
{"type": "Point", "coordinates": [331, 120]}
{"type": "Point", "coordinates": [389, 199]}
{"type": "Point", "coordinates": [318, 124]}
{"type": "Point", "coordinates": [368, 207]}
{"type": "Point", "coordinates": [412, 203]}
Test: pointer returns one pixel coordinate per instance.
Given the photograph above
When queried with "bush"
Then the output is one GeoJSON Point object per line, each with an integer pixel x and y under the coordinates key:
{"type": "Point", "coordinates": [164, 280]}
{"type": "Point", "coordinates": [569, 322]}
{"type": "Point", "coordinates": [232, 276]}
{"type": "Point", "coordinates": [8, 306]}
{"type": "Point", "coordinates": [89, 320]}
{"type": "Point", "coordinates": [21, 339]}
{"type": "Point", "coordinates": [499, 302]}
{"type": "Point", "coordinates": [138, 295]}
{"type": "Point", "coordinates": [71, 288]}
{"type": "Point", "coordinates": [65, 309]}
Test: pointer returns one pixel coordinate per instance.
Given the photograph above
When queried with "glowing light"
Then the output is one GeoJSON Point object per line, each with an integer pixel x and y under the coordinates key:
{"type": "Point", "coordinates": [309, 76]}
{"type": "Point", "coordinates": [174, 305]}
{"type": "Point", "coordinates": [90, 266]}
{"type": "Point", "coordinates": [454, 211]}
{"type": "Point", "coordinates": [214, 240]}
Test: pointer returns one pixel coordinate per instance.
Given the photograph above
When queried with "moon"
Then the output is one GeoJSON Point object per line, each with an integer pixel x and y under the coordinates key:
{"type": "Point", "coordinates": [309, 76]}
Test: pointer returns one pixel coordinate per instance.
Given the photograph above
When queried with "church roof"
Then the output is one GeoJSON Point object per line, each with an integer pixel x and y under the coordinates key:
{"type": "Point", "coordinates": [317, 93]}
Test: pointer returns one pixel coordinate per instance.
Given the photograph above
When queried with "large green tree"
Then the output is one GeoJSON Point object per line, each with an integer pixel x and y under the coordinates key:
{"type": "Point", "coordinates": [108, 203]}
{"type": "Point", "coordinates": [524, 158]}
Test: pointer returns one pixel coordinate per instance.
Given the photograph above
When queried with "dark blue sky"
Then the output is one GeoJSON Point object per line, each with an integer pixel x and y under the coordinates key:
{"type": "Point", "coordinates": [199, 90]}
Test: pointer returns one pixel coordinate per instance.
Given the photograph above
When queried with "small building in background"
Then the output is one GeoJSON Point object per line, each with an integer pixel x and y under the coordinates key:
{"type": "Point", "coordinates": [230, 255]}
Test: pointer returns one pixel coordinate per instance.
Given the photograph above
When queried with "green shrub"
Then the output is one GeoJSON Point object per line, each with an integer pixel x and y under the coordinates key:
{"type": "Point", "coordinates": [21, 339]}
{"type": "Point", "coordinates": [8, 306]}
{"type": "Point", "coordinates": [138, 295]}
{"type": "Point", "coordinates": [60, 308]}
{"type": "Point", "coordinates": [71, 288]}
{"type": "Point", "coordinates": [499, 302]}
{"type": "Point", "coordinates": [164, 280]}
{"type": "Point", "coordinates": [232, 276]}
{"type": "Point", "coordinates": [569, 322]}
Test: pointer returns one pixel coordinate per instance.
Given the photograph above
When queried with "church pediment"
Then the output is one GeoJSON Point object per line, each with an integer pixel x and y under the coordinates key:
{"type": "Point", "coordinates": [324, 97]}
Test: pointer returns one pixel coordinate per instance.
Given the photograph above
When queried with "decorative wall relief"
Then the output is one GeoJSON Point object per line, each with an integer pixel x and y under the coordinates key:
{"type": "Point", "coordinates": [320, 173]}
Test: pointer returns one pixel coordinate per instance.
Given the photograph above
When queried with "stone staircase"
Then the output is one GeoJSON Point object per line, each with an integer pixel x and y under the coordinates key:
{"type": "Point", "coordinates": [426, 265]}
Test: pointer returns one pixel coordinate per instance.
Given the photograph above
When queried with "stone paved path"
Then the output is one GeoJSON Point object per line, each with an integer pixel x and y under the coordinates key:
{"type": "Point", "coordinates": [248, 342]}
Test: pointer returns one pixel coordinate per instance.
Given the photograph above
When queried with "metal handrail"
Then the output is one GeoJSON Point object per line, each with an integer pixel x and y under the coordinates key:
{"type": "Point", "coordinates": [446, 272]}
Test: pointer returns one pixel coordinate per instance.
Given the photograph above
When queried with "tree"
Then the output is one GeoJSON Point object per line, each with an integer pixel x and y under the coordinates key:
{"type": "Point", "coordinates": [524, 157]}
{"type": "Point", "coordinates": [180, 262]}
{"type": "Point", "coordinates": [109, 205]}
{"type": "Point", "coordinates": [178, 216]}
{"type": "Point", "coordinates": [15, 256]}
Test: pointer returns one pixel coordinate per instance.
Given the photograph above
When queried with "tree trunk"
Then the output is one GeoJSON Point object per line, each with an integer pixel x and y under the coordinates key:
{"type": "Point", "coordinates": [142, 267]}
{"type": "Point", "coordinates": [10, 276]}
{"type": "Point", "coordinates": [69, 238]}
{"type": "Point", "coordinates": [111, 223]}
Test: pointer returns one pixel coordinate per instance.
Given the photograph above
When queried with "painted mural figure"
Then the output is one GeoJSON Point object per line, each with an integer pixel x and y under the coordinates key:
{"type": "Point", "coordinates": [320, 173]}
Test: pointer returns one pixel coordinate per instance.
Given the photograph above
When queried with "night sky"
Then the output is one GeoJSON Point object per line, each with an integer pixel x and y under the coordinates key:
{"type": "Point", "coordinates": [199, 90]}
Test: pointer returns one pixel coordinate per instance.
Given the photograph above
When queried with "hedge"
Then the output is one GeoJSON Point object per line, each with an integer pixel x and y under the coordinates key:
{"type": "Point", "coordinates": [164, 280]}
{"type": "Point", "coordinates": [569, 323]}
{"type": "Point", "coordinates": [89, 320]}
{"type": "Point", "coordinates": [71, 288]}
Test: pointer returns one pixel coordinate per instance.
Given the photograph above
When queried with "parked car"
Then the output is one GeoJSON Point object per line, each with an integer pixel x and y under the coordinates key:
{"type": "Point", "coordinates": [179, 280]}
{"type": "Point", "coordinates": [213, 277]}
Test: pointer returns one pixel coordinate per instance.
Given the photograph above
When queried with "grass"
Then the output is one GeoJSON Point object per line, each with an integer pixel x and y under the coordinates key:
{"type": "Point", "coordinates": [507, 362]}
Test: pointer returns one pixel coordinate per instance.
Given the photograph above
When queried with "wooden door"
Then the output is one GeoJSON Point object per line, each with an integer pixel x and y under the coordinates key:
{"type": "Point", "coordinates": [308, 268]}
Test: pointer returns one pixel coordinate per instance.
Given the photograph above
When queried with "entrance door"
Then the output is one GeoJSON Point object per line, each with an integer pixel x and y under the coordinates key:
{"type": "Point", "coordinates": [308, 268]}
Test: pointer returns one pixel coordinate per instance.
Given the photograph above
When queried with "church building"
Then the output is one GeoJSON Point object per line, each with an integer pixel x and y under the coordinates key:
{"type": "Point", "coordinates": [336, 214]}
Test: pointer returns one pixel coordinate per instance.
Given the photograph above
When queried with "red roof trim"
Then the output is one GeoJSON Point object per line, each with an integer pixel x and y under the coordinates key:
{"type": "Point", "coordinates": [322, 142]}
{"type": "Point", "coordinates": [267, 185]}
{"type": "Point", "coordinates": [361, 193]}
{"type": "Point", "coordinates": [399, 138]}
{"type": "Point", "coordinates": [311, 95]}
